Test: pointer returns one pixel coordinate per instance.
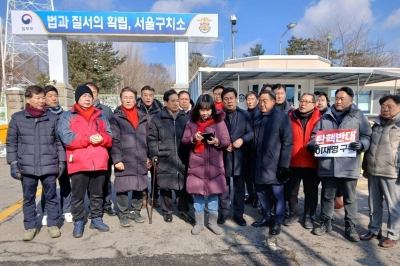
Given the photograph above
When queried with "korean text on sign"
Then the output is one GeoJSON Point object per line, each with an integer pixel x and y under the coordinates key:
{"type": "Point", "coordinates": [334, 143]}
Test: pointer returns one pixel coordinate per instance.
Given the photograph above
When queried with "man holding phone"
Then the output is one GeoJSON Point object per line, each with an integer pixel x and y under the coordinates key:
{"type": "Point", "coordinates": [241, 133]}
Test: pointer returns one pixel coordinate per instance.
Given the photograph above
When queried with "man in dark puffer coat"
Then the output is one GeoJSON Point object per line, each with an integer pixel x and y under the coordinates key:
{"type": "Point", "coordinates": [165, 146]}
{"type": "Point", "coordinates": [35, 153]}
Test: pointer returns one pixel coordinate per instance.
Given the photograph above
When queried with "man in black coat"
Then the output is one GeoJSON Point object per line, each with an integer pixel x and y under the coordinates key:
{"type": "Point", "coordinates": [170, 155]}
{"type": "Point", "coordinates": [281, 103]}
{"type": "Point", "coordinates": [149, 106]}
{"type": "Point", "coordinates": [273, 143]}
{"type": "Point", "coordinates": [35, 152]}
{"type": "Point", "coordinates": [241, 132]}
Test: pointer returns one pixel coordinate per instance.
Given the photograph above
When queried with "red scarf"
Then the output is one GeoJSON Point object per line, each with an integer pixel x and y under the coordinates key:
{"type": "Point", "coordinates": [35, 112]}
{"type": "Point", "coordinates": [199, 148]}
{"type": "Point", "coordinates": [132, 116]}
{"type": "Point", "coordinates": [85, 113]}
{"type": "Point", "coordinates": [219, 105]}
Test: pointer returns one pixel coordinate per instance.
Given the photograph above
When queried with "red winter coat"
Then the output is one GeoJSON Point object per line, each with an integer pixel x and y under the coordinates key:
{"type": "Point", "coordinates": [206, 174]}
{"type": "Point", "coordinates": [301, 157]}
{"type": "Point", "coordinates": [75, 131]}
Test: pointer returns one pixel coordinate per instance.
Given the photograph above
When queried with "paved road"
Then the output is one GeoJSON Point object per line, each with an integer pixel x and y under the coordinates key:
{"type": "Point", "coordinates": [172, 244]}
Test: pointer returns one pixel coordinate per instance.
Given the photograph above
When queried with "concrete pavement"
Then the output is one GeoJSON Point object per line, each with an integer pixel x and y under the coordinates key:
{"type": "Point", "coordinates": [172, 244]}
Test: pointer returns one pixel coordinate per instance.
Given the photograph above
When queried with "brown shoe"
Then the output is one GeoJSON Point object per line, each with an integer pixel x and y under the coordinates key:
{"type": "Point", "coordinates": [156, 203]}
{"type": "Point", "coordinates": [370, 235]}
{"type": "Point", "coordinates": [144, 203]}
{"type": "Point", "coordinates": [388, 243]}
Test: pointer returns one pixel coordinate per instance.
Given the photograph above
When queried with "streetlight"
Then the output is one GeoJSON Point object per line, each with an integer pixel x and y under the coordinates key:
{"type": "Point", "coordinates": [205, 56]}
{"type": "Point", "coordinates": [328, 38]}
{"type": "Point", "coordinates": [210, 56]}
{"type": "Point", "coordinates": [223, 49]}
{"type": "Point", "coordinates": [233, 23]}
{"type": "Point", "coordinates": [290, 26]}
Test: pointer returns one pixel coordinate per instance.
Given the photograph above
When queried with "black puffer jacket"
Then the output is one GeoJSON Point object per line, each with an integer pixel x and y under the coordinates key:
{"type": "Point", "coordinates": [130, 148]}
{"type": "Point", "coordinates": [155, 108]}
{"type": "Point", "coordinates": [165, 142]}
{"type": "Point", "coordinates": [34, 143]}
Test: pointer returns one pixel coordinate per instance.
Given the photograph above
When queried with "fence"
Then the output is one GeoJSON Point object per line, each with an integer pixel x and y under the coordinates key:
{"type": "Point", "coordinates": [113, 100]}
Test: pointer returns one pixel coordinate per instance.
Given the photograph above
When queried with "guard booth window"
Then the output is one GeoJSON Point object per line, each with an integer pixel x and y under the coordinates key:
{"type": "Point", "coordinates": [255, 88]}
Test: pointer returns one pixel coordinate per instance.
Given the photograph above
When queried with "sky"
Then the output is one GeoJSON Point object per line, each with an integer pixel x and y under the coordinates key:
{"type": "Point", "coordinates": [258, 21]}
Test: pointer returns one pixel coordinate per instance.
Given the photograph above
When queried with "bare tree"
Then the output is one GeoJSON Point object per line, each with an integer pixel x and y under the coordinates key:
{"type": "Point", "coordinates": [136, 73]}
{"type": "Point", "coordinates": [356, 45]}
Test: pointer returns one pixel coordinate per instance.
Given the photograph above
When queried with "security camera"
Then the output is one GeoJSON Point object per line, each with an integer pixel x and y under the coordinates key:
{"type": "Point", "coordinates": [54, 81]}
{"type": "Point", "coordinates": [233, 19]}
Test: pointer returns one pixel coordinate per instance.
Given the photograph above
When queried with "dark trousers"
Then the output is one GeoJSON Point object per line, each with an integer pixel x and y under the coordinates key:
{"type": "Point", "coordinates": [238, 197]}
{"type": "Point", "coordinates": [348, 188]}
{"type": "Point", "coordinates": [92, 182]}
{"type": "Point", "coordinates": [272, 195]}
{"type": "Point", "coordinates": [65, 195]}
{"type": "Point", "coordinates": [166, 200]}
{"type": "Point", "coordinates": [123, 200]}
{"type": "Point", "coordinates": [310, 187]}
{"type": "Point", "coordinates": [29, 187]}
{"type": "Point", "coordinates": [146, 190]}
{"type": "Point", "coordinates": [107, 189]}
{"type": "Point", "coordinates": [250, 184]}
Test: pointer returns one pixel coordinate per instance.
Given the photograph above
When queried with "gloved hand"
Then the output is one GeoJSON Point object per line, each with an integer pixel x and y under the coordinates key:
{"type": "Point", "coordinates": [357, 146]}
{"type": "Point", "coordinates": [283, 174]}
{"type": "Point", "coordinates": [62, 166]}
{"type": "Point", "coordinates": [15, 172]}
{"type": "Point", "coordinates": [154, 160]}
{"type": "Point", "coordinates": [312, 147]}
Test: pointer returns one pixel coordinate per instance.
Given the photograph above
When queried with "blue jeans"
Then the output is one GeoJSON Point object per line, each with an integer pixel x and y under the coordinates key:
{"type": "Point", "coordinates": [200, 202]}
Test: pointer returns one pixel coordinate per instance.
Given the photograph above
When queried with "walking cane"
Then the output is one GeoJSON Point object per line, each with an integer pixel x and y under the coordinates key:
{"type": "Point", "coordinates": [152, 191]}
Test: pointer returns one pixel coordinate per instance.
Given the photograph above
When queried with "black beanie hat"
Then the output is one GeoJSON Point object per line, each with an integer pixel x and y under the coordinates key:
{"type": "Point", "coordinates": [82, 90]}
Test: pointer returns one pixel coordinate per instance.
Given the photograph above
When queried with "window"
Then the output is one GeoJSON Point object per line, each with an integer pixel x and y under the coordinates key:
{"type": "Point", "coordinates": [290, 93]}
{"type": "Point", "coordinates": [255, 88]}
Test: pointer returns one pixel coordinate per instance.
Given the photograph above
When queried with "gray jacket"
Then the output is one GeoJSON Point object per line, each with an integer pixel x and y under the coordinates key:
{"type": "Point", "coordinates": [382, 157]}
{"type": "Point", "coordinates": [343, 167]}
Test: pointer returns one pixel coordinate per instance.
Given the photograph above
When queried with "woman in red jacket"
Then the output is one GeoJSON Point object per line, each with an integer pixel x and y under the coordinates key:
{"type": "Point", "coordinates": [207, 135]}
{"type": "Point", "coordinates": [86, 135]}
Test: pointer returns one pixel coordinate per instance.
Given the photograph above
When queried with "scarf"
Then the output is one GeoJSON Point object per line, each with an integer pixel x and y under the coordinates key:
{"type": "Point", "coordinates": [339, 115]}
{"type": "Point", "coordinates": [56, 109]}
{"type": "Point", "coordinates": [96, 103]}
{"type": "Point", "coordinates": [303, 117]}
{"type": "Point", "coordinates": [199, 147]}
{"type": "Point", "coordinates": [219, 105]}
{"type": "Point", "coordinates": [85, 113]}
{"type": "Point", "coordinates": [35, 112]}
{"type": "Point", "coordinates": [132, 116]}
{"type": "Point", "coordinates": [282, 106]}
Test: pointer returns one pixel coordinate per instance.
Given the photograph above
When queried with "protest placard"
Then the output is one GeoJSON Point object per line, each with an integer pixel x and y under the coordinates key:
{"type": "Point", "coordinates": [335, 143]}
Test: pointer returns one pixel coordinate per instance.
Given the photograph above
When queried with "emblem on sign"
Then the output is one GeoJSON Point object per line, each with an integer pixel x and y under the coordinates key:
{"type": "Point", "coordinates": [204, 25]}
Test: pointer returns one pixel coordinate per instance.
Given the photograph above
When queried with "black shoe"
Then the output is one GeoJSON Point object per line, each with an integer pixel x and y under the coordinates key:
{"type": "Point", "coordinates": [110, 211]}
{"type": "Point", "coordinates": [222, 219]}
{"type": "Point", "coordinates": [124, 221]}
{"type": "Point", "coordinates": [261, 223]}
{"type": "Point", "coordinates": [249, 200]}
{"type": "Point", "coordinates": [307, 221]}
{"type": "Point", "coordinates": [186, 217]}
{"type": "Point", "coordinates": [275, 229]}
{"type": "Point", "coordinates": [168, 218]}
{"type": "Point", "coordinates": [240, 221]}
{"type": "Point", "coordinates": [351, 234]}
{"type": "Point", "coordinates": [323, 227]}
{"type": "Point", "coordinates": [290, 220]}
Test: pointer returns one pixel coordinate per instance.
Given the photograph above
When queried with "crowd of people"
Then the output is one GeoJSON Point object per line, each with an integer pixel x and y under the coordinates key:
{"type": "Point", "coordinates": [195, 150]}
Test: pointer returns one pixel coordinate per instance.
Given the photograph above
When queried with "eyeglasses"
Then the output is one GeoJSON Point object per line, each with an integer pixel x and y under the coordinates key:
{"type": "Point", "coordinates": [305, 102]}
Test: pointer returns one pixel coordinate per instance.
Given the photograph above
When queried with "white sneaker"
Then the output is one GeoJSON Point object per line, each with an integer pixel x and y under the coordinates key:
{"type": "Point", "coordinates": [67, 217]}
{"type": "Point", "coordinates": [44, 220]}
